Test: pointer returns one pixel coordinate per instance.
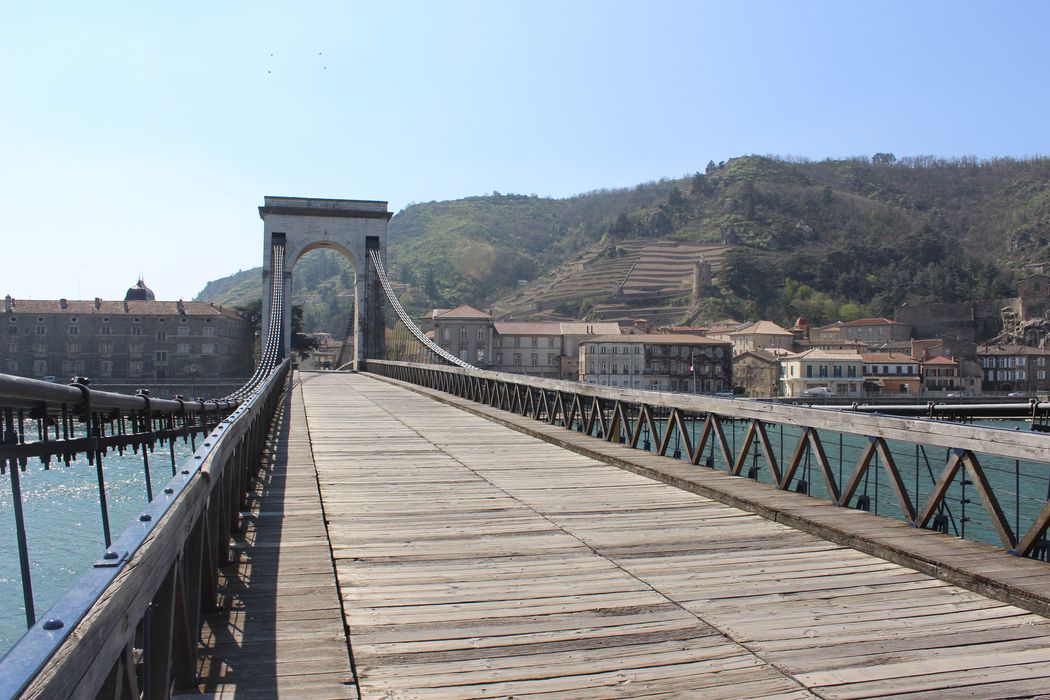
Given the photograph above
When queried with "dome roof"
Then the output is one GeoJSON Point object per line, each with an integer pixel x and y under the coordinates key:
{"type": "Point", "coordinates": [140, 292]}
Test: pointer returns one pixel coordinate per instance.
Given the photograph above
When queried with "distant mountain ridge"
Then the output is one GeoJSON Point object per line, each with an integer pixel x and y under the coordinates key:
{"type": "Point", "coordinates": [827, 239]}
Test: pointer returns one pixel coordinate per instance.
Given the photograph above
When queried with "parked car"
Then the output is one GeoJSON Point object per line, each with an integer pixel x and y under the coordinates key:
{"type": "Point", "coordinates": [817, 391]}
{"type": "Point", "coordinates": [48, 378]}
{"type": "Point", "coordinates": [1018, 394]}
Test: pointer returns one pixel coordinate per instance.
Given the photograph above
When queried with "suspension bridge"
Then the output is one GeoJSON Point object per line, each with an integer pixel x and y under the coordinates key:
{"type": "Point", "coordinates": [420, 527]}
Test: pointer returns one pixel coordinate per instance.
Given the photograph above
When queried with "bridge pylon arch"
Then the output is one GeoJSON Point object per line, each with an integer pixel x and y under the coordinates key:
{"type": "Point", "coordinates": [352, 227]}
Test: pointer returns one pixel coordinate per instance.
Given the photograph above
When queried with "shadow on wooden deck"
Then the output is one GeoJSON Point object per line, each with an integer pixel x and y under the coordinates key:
{"type": "Point", "coordinates": [279, 630]}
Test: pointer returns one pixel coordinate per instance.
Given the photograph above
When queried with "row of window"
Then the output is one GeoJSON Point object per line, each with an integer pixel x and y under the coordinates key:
{"type": "Point", "coordinates": [105, 319]}
{"type": "Point", "coordinates": [992, 362]}
{"type": "Point", "coordinates": [683, 351]}
{"type": "Point", "coordinates": [908, 370]}
{"type": "Point", "coordinates": [104, 368]}
{"type": "Point", "coordinates": [1011, 375]}
{"type": "Point", "coordinates": [446, 333]}
{"type": "Point", "coordinates": [552, 360]}
{"type": "Point", "coordinates": [525, 342]}
{"type": "Point", "coordinates": [498, 341]}
{"type": "Point", "coordinates": [134, 349]}
{"type": "Point", "coordinates": [685, 385]}
{"type": "Point", "coordinates": [614, 368]}
{"type": "Point", "coordinates": [616, 350]}
{"type": "Point", "coordinates": [790, 370]}
{"type": "Point", "coordinates": [208, 331]}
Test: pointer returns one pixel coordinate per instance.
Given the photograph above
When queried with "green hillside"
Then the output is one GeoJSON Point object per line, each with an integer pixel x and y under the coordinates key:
{"type": "Point", "coordinates": [827, 239]}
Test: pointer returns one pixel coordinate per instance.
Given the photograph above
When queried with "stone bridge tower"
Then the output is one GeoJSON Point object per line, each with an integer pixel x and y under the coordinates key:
{"type": "Point", "coordinates": [352, 227]}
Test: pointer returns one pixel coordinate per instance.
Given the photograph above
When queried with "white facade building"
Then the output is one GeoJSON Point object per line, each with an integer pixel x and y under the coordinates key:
{"type": "Point", "coordinates": [663, 362]}
{"type": "Point", "coordinates": [819, 372]}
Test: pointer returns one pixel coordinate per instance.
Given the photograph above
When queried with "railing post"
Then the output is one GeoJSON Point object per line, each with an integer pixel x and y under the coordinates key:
{"type": "Point", "coordinates": [158, 643]}
{"type": "Point", "coordinates": [10, 439]}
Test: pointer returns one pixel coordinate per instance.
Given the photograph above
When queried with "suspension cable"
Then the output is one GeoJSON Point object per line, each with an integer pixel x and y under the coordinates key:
{"type": "Point", "coordinates": [272, 348]}
{"type": "Point", "coordinates": [433, 347]}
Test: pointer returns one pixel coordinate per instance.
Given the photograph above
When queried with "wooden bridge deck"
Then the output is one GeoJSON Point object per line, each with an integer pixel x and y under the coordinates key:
{"type": "Point", "coordinates": [475, 561]}
{"type": "Point", "coordinates": [280, 633]}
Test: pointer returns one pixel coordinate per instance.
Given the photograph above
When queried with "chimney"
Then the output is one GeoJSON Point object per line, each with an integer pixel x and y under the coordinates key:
{"type": "Point", "coordinates": [9, 304]}
{"type": "Point", "coordinates": [181, 307]}
{"type": "Point", "coordinates": [64, 303]}
{"type": "Point", "coordinates": [98, 303]}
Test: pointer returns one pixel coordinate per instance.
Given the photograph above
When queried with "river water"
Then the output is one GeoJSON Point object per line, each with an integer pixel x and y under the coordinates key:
{"type": "Point", "coordinates": [64, 524]}
{"type": "Point", "coordinates": [1021, 487]}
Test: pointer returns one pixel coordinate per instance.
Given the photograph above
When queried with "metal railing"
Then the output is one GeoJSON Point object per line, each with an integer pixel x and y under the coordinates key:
{"type": "Point", "coordinates": [129, 626]}
{"type": "Point", "coordinates": [137, 612]}
{"type": "Point", "coordinates": [983, 483]}
{"type": "Point", "coordinates": [52, 423]}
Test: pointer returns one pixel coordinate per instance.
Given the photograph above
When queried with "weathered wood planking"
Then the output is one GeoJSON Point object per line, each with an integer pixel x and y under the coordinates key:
{"type": "Point", "coordinates": [281, 631]}
{"type": "Point", "coordinates": [476, 561]}
{"type": "Point", "coordinates": [454, 587]}
{"type": "Point", "coordinates": [979, 567]}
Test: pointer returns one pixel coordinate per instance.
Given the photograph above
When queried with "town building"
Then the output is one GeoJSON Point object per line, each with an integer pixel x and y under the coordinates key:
{"type": "Point", "coordinates": [925, 348]}
{"type": "Point", "coordinates": [538, 348]}
{"type": "Point", "coordinates": [426, 321]}
{"type": "Point", "coordinates": [527, 348]}
{"type": "Point", "coordinates": [756, 373]}
{"type": "Point", "coordinates": [891, 374]}
{"type": "Point", "coordinates": [873, 331]}
{"type": "Point", "coordinates": [800, 330]}
{"type": "Point", "coordinates": [816, 373]}
{"type": "Point", "coordinates": [465, 332]}
{"type": "Point", "coordinates": [721, 329]}
{"type": "Point", "coordinates": [684, 330]}
{"type": "Point", "coordinates": [941, 375]}
{"type": "Point", "coordinates": [900, 347]}
{"type": "Point", "coordinates": [658, 362]}
{"type": "Point", "coordinates": [1033, 293]}
{"type": "Point", "coordinates": [138, 340]}
{"type": "Point", "coordinates": [1015, 368]}
{"type": "Point", "coordinates": [762, 335]}
{"type": "Point", "coordinates": [832, 345]}
{"type": "Point", "coordinates": [325, 353]}
{"type": "Point", "coordinates": [572, 334]}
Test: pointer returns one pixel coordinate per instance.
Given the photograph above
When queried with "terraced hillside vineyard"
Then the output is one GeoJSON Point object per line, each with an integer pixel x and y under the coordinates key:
{"type": "Point", "coordinates": [786, 237]}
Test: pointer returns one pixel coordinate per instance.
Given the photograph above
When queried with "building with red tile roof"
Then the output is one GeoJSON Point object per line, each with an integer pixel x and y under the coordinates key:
{"type": "Point", "coordinates": [891, 373]}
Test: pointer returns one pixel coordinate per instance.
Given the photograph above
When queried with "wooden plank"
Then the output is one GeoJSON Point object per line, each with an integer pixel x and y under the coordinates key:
{"type": "Point", "coordinates": [795, 606]}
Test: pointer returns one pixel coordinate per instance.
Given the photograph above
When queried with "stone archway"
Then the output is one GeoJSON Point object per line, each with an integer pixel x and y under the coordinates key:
{"type": "Point", "coordinates": [352, 227]}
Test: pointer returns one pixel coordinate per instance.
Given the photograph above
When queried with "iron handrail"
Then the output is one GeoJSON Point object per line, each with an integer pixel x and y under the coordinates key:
{"type": "Point", "coordinates": [43, 661]}
{"type": "Point", "coordinates": [32, 393]}
{"type": "Point", "coordinates": [168, 560]}
{"type": "Point", "coordinates": [1009, 443]}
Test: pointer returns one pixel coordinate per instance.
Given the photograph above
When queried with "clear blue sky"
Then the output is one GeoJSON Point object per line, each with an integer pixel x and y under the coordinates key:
{"type": "Point", "coordinates": [141, 137]}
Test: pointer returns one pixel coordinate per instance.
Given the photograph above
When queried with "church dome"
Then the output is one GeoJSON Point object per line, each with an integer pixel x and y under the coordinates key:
{"type": "Point", "coordinates": [140, 292]}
